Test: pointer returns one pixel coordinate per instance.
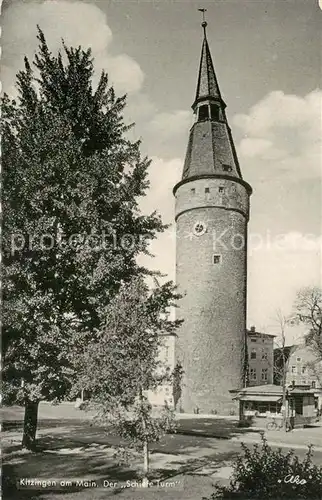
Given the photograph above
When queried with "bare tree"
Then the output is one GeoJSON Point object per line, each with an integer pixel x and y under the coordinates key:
{"type": "Point", "coordinates": [281, 363]}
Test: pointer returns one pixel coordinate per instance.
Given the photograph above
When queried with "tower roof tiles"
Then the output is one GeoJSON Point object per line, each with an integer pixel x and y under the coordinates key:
{"type": "Point", "coordinates": [207, 85]}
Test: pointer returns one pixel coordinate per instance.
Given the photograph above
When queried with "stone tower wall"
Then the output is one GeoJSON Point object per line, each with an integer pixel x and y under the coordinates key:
{"type": "Point", "coordinates": [211, 341]}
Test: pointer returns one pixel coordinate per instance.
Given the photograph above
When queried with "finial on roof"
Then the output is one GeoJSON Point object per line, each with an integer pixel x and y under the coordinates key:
{"type": "Point", "coordinates": [204, 23]}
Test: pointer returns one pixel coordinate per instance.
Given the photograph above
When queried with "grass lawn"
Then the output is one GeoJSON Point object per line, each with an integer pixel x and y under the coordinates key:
{"type": "Point", "coordinates": [71, 449]}
{"type": "Point", "coordinates": [74, 454]}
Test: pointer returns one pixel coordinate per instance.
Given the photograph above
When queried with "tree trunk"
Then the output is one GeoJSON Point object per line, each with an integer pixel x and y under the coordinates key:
{"type": "Point", "coordinates": [285, 367]}
{"type": "Point", "coordinates": [284, 408]}
{"type": "Point", "coordinates": [146, 461]}
{"type": "Point", "coordinates": [285, 404]}
{"type": "Point", "coordinates": [145, 481]}
{"type": "Point", "coordinates": [30, 425]}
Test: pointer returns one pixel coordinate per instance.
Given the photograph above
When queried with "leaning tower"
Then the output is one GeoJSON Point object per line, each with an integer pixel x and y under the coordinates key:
{"type": "Point", "coordinates": [212, 213]}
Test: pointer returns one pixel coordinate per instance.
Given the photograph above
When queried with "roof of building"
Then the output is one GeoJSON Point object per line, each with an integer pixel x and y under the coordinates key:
{"type": "Point", "coordinates": [207, 85]}
{"type": "Point", "coordinates": [262, 391]}
{"type": "Point", "coordinates": [269, 388]}
{"type": "Point", "coordinates": [298, 390]}
{"type": "Point", "coordinates": [256, 389]}
{"type": "Point", "coordinates": [211, 151]}
{"type": "Point", "coordinates": [253, 332]}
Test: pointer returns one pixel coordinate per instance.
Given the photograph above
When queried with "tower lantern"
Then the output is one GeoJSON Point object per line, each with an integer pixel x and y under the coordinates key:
{"type": "Point", "coordinates": [212, 213]}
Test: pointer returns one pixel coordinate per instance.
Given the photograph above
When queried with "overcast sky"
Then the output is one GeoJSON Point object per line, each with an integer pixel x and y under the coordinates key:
{"type": "Point", "coordinates": [267, 59]}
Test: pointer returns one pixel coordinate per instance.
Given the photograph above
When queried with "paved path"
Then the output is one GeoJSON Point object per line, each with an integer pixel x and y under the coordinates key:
{"type": "Point", "coordinates": [225, 428]}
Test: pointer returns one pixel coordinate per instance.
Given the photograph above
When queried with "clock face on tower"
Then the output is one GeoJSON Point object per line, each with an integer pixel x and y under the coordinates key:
{"type": "Point", "coordinates": [199, 228]}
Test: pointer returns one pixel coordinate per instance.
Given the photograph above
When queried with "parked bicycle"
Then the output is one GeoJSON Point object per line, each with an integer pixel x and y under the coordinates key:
{"type": "Point", "coordinates": [277, 424]}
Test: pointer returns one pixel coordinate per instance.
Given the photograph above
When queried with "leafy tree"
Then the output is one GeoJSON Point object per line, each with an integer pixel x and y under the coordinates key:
{"type": "Point", "coordinates": [308, 311]}
{"type": "Point", "coordinates": [123, 365]}
{"type": "Point", "coordinates": [72, 228]}
{"type": "Point", "coordinates": [264, 473]}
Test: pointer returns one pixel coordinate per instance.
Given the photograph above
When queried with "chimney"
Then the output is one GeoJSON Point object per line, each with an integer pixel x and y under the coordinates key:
{"type": "Point", "coordinates": [253, 329]}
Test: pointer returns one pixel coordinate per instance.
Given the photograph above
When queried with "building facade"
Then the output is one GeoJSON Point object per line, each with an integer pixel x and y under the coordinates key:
{"type": "Point", "coordinates": [260, 352]}
{"type": "Point", "coordinates": [260, 349]}
{"type": "Point", "coordinates": [303, 368]}
{"type": "Point", "coordinates": [211, 213]}
{"type": "Point", "coordinates": [259, 403]}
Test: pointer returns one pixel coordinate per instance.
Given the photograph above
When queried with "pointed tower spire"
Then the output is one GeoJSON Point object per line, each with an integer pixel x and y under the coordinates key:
{"type": "Point", "coordinates": [211, 150]}
{"type": "Point", "coordinates": [207, 86]}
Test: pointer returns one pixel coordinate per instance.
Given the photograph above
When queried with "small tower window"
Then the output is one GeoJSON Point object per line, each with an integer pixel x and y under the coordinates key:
{"type": "Point", "coordinates": [199, 228]}
{"type": "Point", "coordinates": [227, 168]}
{"type": "Point", "coordinates": [214, 112]}
{"type": "Point", "coordinates": [216, 259]}
{"type": "Point", "coordinates": [221, 189]}
{"type": "Point", "coordinates": [207, 190]}
{"type": "Point", "coordinates": [203, 113]}
{"type": "Point", "coordinates": [193, 190]}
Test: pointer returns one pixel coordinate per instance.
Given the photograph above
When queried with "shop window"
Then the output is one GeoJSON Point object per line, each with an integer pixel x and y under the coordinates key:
{"type": "Point", "coordinates": [264, 374]}
{"type": "Point", "coordinates": [252, 374]}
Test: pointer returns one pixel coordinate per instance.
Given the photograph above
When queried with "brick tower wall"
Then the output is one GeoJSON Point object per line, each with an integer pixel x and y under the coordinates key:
{"type": "Point", "coordinates": [211, 341]}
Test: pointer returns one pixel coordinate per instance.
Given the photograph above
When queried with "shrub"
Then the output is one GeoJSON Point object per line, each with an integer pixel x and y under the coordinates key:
{"type": "Point", "coordinates": [263, 473]}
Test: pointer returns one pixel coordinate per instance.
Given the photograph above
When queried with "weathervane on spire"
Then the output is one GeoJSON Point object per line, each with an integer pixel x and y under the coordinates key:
{"type": "Point", "coordinates": [204, 22]}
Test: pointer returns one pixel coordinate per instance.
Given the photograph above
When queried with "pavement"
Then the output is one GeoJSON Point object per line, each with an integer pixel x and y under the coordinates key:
{"type": "Point", "coordinates": [226, 428]}
{"type": "Point", "coordinates": [291, 439]}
